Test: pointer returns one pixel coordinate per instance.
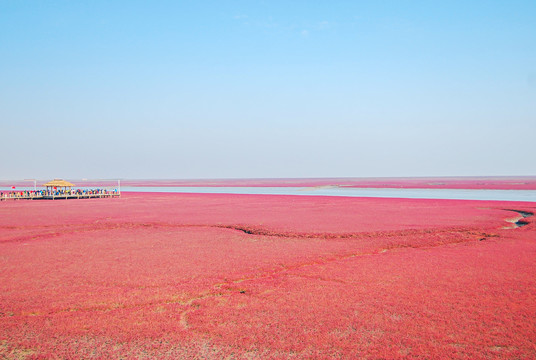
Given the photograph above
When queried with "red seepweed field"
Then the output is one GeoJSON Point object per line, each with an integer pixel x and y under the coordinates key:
{"type": "Point", "coordinates": [484, 182]}
{"type": "Point", "coordinates": [262, 276]}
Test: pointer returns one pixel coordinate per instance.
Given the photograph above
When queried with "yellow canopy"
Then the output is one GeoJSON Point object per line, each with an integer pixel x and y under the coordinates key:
{"type": "Point", "coordinates": [58, 183]}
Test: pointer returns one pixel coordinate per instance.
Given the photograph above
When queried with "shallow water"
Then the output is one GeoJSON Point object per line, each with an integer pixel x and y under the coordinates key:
{"type": "Point", "coordinates": [455, 194]}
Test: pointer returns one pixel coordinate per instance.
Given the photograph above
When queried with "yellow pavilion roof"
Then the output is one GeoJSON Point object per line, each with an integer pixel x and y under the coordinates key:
{"type": "Point", "coordinates": [58, 183]}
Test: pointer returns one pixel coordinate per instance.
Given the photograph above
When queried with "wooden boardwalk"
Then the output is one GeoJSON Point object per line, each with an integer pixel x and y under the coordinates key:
{"type": "Point", "coordinates": [60, 197]}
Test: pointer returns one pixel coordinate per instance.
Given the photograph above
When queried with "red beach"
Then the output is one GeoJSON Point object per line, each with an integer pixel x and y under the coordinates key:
{"type": "Point", "coordinates": [263, 276]}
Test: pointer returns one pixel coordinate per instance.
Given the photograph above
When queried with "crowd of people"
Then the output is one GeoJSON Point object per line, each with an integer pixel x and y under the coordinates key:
{"type": "Point", "coordinates": [21, 194]}
{"type": "Point", "coordinates": [91, 192]}
{"type": "Point", "coordinates": [32, 194]}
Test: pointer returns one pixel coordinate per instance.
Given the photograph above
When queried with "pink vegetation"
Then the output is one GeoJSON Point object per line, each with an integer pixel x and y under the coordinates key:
{"type": "Point", "coordinates": [506, 183]}
{"type": "Point", "coordinates": [252, 276]}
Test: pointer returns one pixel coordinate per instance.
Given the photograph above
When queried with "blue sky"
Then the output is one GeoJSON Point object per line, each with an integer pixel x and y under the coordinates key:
{"type": "Point", "coordinates": [231, 89]}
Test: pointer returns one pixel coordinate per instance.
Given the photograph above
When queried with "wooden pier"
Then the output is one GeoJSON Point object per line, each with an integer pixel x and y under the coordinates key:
{"type": "Point", "coordinates": [59, 189]}
{"type": "Point", "coordinates": [60, 197]}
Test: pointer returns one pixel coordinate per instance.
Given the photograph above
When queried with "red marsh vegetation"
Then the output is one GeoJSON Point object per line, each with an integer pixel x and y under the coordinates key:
{"type": "Point", "coordinates": [496, 183]}
{"type": "Point", "coordinates": [253, 277]}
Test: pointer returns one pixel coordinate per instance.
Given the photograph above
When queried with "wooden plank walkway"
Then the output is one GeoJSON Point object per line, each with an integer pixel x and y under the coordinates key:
{"type": "Point", "coordinates": [60, 197]}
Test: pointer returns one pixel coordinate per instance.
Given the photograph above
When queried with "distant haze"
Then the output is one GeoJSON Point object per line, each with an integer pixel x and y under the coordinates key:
{"type": "Point", "coordinates": [266, 89]}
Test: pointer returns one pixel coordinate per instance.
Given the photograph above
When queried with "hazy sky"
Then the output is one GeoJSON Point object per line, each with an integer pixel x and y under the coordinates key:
{"type": "Point", "coordinates": [228, 89]}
